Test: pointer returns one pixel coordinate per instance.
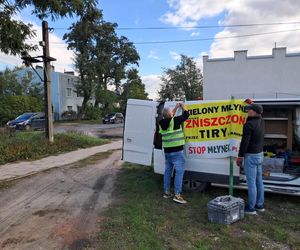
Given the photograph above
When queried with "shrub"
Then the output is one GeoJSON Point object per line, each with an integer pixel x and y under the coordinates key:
{"type": "Point", "coordinates": [92, 113]}
{"type": "Point", "coordinates": [69, 115]}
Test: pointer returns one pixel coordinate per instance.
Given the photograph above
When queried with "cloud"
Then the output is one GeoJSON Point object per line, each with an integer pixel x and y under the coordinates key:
{"type": "Point", "coordinates": [241, 12]}
{"type": "Point", "coordinates": [152, 55]}
{"type": "Point", "coordinates": [199, 60]}
{"type": "Point", "coordinates": [193, 34]}
{"type": "Point", "coordinates": [152, 83]}
{"type": "Point", "coordinates": [174, 55]}
{"type": "Point", "coordinates": [189, 12]}
{"type": "Point", "coordinates": [58, 50]}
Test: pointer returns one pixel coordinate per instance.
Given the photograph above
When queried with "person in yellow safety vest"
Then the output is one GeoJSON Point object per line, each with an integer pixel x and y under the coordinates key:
{"type": "Point", "coordinates": [173, 142]}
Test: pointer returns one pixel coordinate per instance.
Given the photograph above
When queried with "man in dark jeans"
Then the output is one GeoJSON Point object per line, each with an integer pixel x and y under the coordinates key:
{"type": "Point", "coordinates": [251, 153]}
{"type": "Point", "coordinates": [173, 142]}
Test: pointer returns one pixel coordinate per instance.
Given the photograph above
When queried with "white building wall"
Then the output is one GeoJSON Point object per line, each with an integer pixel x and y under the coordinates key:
{"type": "Point", "coordinates": [273, 76]}
{"type": "Point", "coordinates": [67, 99]}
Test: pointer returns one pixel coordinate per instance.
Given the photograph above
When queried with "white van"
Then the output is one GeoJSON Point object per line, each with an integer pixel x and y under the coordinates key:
{"type": "Point", "coordinates": [282, 117]}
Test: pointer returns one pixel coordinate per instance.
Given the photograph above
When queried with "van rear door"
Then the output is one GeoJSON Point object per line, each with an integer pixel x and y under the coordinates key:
{"type": "Point", "coordinates": [139, 131]}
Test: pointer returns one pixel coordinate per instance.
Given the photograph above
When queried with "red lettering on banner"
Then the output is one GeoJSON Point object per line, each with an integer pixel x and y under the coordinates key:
{"type": "Point", "coordinates": [220, 122]}
{"type": "Point", "coordinates": [235, 118]}
{"type": "Point", "coordinates": [197, 150]}
{"type": "Point", "coordinates": [228, 119]}
{"type": "Point", "coordinates": [188, 125]}
{"type": "Point", "coordinates": [214, 121]}
{"type": "Point", "coordinates": [195, 123]}
{"type": "Point", "coordinates": [206, 122]}
{"type": "Point", "coordinates": [242, 120]}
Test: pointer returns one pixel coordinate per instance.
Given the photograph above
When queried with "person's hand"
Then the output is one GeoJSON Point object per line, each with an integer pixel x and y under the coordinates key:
{"type": "Point", "coordinates": [183, 106]}
{"type": "Point", "coordinates": [239, 161]}
{"type": "Point", "coordinates": [248, 101]}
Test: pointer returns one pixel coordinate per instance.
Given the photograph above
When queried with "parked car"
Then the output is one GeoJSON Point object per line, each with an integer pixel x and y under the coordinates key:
{"type": "Point", "coordinates": [113, 118]}
{"type": "Point", "coordinates": [28, 121]}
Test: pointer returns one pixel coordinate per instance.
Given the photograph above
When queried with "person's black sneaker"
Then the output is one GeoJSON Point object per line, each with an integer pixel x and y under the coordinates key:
{"type": "Point", "coordinates": [250, 211]}
{"type": "Point", "coordinates": [260, 208]}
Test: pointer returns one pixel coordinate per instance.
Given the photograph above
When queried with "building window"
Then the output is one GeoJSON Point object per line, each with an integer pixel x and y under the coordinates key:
{"type": "Point", "coordinates": [68, 81]}
{"type": "Point", "coordinates": [69, 92]}
{"type": "Point", "coordinates": [70, 108]}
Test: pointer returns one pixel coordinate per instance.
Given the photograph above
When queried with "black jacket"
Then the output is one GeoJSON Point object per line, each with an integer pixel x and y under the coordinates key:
{"type": "Point", "coordinates": [253, 136]}
{"type": "Point", "coordinates": [178, 120]}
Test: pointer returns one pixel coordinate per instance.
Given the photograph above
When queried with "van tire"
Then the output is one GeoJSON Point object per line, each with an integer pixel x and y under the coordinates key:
{"type": "Point", "coordinates": [192, 186]}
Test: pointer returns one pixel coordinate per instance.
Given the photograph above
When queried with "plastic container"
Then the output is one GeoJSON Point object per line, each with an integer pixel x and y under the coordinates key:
{"type": "Point", "coordinates": [225, 209]}
{"type": "Point", "coordinates": [273, 165]}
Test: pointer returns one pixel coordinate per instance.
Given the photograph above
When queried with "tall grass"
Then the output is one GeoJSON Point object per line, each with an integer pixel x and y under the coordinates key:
{"type": "Point", "coordinates": [33, 145]}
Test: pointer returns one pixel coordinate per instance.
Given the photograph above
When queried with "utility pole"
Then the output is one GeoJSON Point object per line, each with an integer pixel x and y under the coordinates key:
{"type": "Point", "coordinates": [47, 83]}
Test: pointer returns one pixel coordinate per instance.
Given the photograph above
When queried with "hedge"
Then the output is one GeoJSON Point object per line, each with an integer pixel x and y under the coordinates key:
{"type": "Point", "coordinates": [13, 106]}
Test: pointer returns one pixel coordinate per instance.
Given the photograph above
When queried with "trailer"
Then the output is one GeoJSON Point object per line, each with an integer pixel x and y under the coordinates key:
{"type": "Point", "coordinates": [281, 171]}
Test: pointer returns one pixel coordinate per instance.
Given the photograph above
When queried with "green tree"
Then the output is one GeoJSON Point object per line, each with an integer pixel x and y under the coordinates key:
{"type": "Point", "coordinates": [113, 55]}
{"type": "Point", "coordinates": [10, 85]}
{"type": "Point", "coordinates": [81, 40]}
{"type": "Point", "coordinates": [14, 105]}
{"type": "Point", "coordinates": [183, 82]}
{"type": "Point", "coordinates": [14, 33]}
{"type": "Point", "coordinates": [133, 88]}
{"type": "Point", "coordinates": [101, 57]}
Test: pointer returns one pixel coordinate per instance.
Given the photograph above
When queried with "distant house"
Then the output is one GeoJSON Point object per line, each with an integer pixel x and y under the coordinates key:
{"type": "Point", "coordinates": [64, 96]}
{"type": "Point", "coordinates": [269, 76]}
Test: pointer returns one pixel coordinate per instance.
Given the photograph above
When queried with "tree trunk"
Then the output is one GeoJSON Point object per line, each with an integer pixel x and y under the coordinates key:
{"type": "Point", "coordinates": [83, 107]}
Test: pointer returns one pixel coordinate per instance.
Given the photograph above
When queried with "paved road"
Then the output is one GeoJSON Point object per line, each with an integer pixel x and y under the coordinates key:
{"type": "Point", "coordinates": [86, 128]}
{"type": "Point", "coordinates": [108, 131]}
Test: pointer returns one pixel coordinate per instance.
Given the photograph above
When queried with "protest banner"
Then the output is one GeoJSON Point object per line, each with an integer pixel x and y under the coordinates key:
{"type": "Point", "coordinates": [214, 129]}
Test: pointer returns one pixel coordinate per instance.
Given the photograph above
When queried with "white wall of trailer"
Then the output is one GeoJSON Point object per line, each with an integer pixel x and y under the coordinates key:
{"type": "Point", "coordinates": [270, 76]}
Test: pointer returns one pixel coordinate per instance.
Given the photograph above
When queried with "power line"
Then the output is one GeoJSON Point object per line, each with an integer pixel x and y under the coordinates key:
{"type": "Point", "coordinates": [206, 26]}
{"type": "Point", "coordinates": [217, 38]}
{"type": "Point", "coordinates": [200, 26]}
{"type": "Point", "coordinates": [197, 40]}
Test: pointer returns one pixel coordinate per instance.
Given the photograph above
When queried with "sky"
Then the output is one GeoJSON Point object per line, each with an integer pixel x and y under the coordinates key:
{"type": "Point", "coordinates": [183, 13]}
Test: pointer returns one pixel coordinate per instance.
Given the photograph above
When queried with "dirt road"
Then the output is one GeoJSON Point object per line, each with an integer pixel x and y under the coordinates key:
{"type": "Point", "coordinates": [57, 209]}
{"type": "Point", "coordinates": [99, 130]}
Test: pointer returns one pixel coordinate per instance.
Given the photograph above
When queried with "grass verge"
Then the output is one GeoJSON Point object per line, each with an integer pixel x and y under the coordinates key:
{"type": "Point", "coordinates": [91, 160]}
{"type": "Point", "coordinates": [141, 219]}
{"type": "Point", "coordinates": [33, 145]}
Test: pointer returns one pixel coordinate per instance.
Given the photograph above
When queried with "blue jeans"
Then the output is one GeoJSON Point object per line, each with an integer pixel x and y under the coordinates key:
{"type": "Point", "coordinates": [253, 170]}
{"type": "Point", "coordinates": [174, 160]}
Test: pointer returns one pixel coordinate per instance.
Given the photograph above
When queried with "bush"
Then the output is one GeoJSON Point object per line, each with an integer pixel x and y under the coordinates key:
{"type": "Point", "coordinates": [33, 145]}
{"type": "Point", "coordinates": [69, 115]}
{"type": "Point", "coordinates": [91, 113]}
{"type": "Point", "coordinates": [13, 106]}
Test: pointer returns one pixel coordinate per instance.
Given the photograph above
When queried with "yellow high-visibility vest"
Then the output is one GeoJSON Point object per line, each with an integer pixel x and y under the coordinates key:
{"type": "Point", "coordinates": [172, 137]}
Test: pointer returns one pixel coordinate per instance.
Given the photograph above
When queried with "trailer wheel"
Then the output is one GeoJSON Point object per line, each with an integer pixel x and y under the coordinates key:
{"type": "Point", "coordinates": [194, 185]}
